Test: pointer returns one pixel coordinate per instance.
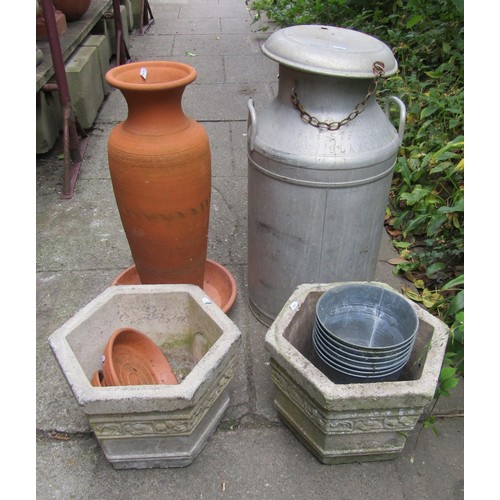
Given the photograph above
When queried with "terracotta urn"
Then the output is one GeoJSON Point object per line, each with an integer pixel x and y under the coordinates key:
{"type": "Point", "coordinates": [72, 9]}
{"type": "Point", "coordinates": [160, 166]}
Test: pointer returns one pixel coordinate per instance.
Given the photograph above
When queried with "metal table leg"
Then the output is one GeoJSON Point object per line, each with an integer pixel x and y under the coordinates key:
{"type": "Point", "coordinates": [72, 151]}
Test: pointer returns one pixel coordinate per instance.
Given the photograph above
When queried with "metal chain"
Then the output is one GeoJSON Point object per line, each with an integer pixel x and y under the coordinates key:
{"type": "Point", "coordinates": [378, 69]}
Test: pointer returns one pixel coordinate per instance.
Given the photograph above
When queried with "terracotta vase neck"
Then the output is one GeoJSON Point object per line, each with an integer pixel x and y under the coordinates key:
{"type": "Point", "coordinates": [153, 91]}
{"type": "Point", "coordinates": [155, 113]}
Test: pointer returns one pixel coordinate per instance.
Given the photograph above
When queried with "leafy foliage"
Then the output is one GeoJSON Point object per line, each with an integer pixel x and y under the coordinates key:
{"type": "Point", "coordinates": [425, 216]}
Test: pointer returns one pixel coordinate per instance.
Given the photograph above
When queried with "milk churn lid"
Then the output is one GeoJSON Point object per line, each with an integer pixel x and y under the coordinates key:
{"type": "Point", "coordinates": [329, 50]}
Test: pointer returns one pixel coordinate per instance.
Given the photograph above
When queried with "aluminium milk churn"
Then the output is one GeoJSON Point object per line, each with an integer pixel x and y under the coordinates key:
{"type": "Point", "coordinates": [320, 164]}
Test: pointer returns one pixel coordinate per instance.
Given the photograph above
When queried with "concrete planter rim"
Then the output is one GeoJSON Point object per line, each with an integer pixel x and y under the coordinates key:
{"type": "Point", "coordinates": [304, 372]}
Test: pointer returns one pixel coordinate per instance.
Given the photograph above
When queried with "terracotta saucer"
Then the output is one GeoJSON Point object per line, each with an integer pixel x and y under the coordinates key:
{"type": "Point", "coordinates": [132, 358]}
{"type": "Point", "coordinates": [219, 283]}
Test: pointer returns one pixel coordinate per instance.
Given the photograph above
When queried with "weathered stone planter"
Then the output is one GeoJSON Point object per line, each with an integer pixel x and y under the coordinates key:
{"type": "Point", "coordinates": [152, 425]}
{"type": "Point", "coordinates": [342, 423]}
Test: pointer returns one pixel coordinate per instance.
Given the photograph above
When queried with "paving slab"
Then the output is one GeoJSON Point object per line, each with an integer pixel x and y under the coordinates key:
{"type": "Point", "coordinates": [252, 463]}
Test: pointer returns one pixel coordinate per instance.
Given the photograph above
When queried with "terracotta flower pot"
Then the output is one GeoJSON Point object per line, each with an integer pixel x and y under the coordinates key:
{"type": "Point", "coordinates": [132, 358]}
{"type": "Point", "coordinates": [160, 166]}
{"type": "Point", "coordinates": [72, 9]}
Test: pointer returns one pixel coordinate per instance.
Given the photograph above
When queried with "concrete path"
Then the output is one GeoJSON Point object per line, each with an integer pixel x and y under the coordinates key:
{"type": "Point", "coordinates": [81, 247]}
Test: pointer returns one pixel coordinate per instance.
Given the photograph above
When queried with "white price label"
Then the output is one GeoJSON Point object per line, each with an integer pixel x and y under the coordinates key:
{"type": "Point", "coordinates": [144, 73]}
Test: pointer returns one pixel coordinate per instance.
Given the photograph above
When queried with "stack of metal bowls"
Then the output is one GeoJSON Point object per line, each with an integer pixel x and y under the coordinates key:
{"type": "Point", "coordinates": [364, 332]}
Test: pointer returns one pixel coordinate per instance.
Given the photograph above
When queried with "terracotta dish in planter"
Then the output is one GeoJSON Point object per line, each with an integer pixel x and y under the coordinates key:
{"type": "Point", "coordinates": [98, 379]}
{"type": "Point", "coordinates": [218, 284]}
{"type": "Point", "coordinates": [132, 358]}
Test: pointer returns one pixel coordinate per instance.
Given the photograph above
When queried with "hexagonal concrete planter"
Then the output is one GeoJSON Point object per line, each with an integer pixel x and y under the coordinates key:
{"type": "Point", "coordinates": [341, 423]}
{"type": "Point", "coordinates": [152, 425]}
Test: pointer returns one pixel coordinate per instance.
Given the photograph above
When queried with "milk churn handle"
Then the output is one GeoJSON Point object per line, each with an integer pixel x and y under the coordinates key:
{"type": "Point", "coordinates": [378, 70]}
{"type": "Point", "coordinates": [402, 114]}
{"type": "Point", "coordinates": [252, 124]}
